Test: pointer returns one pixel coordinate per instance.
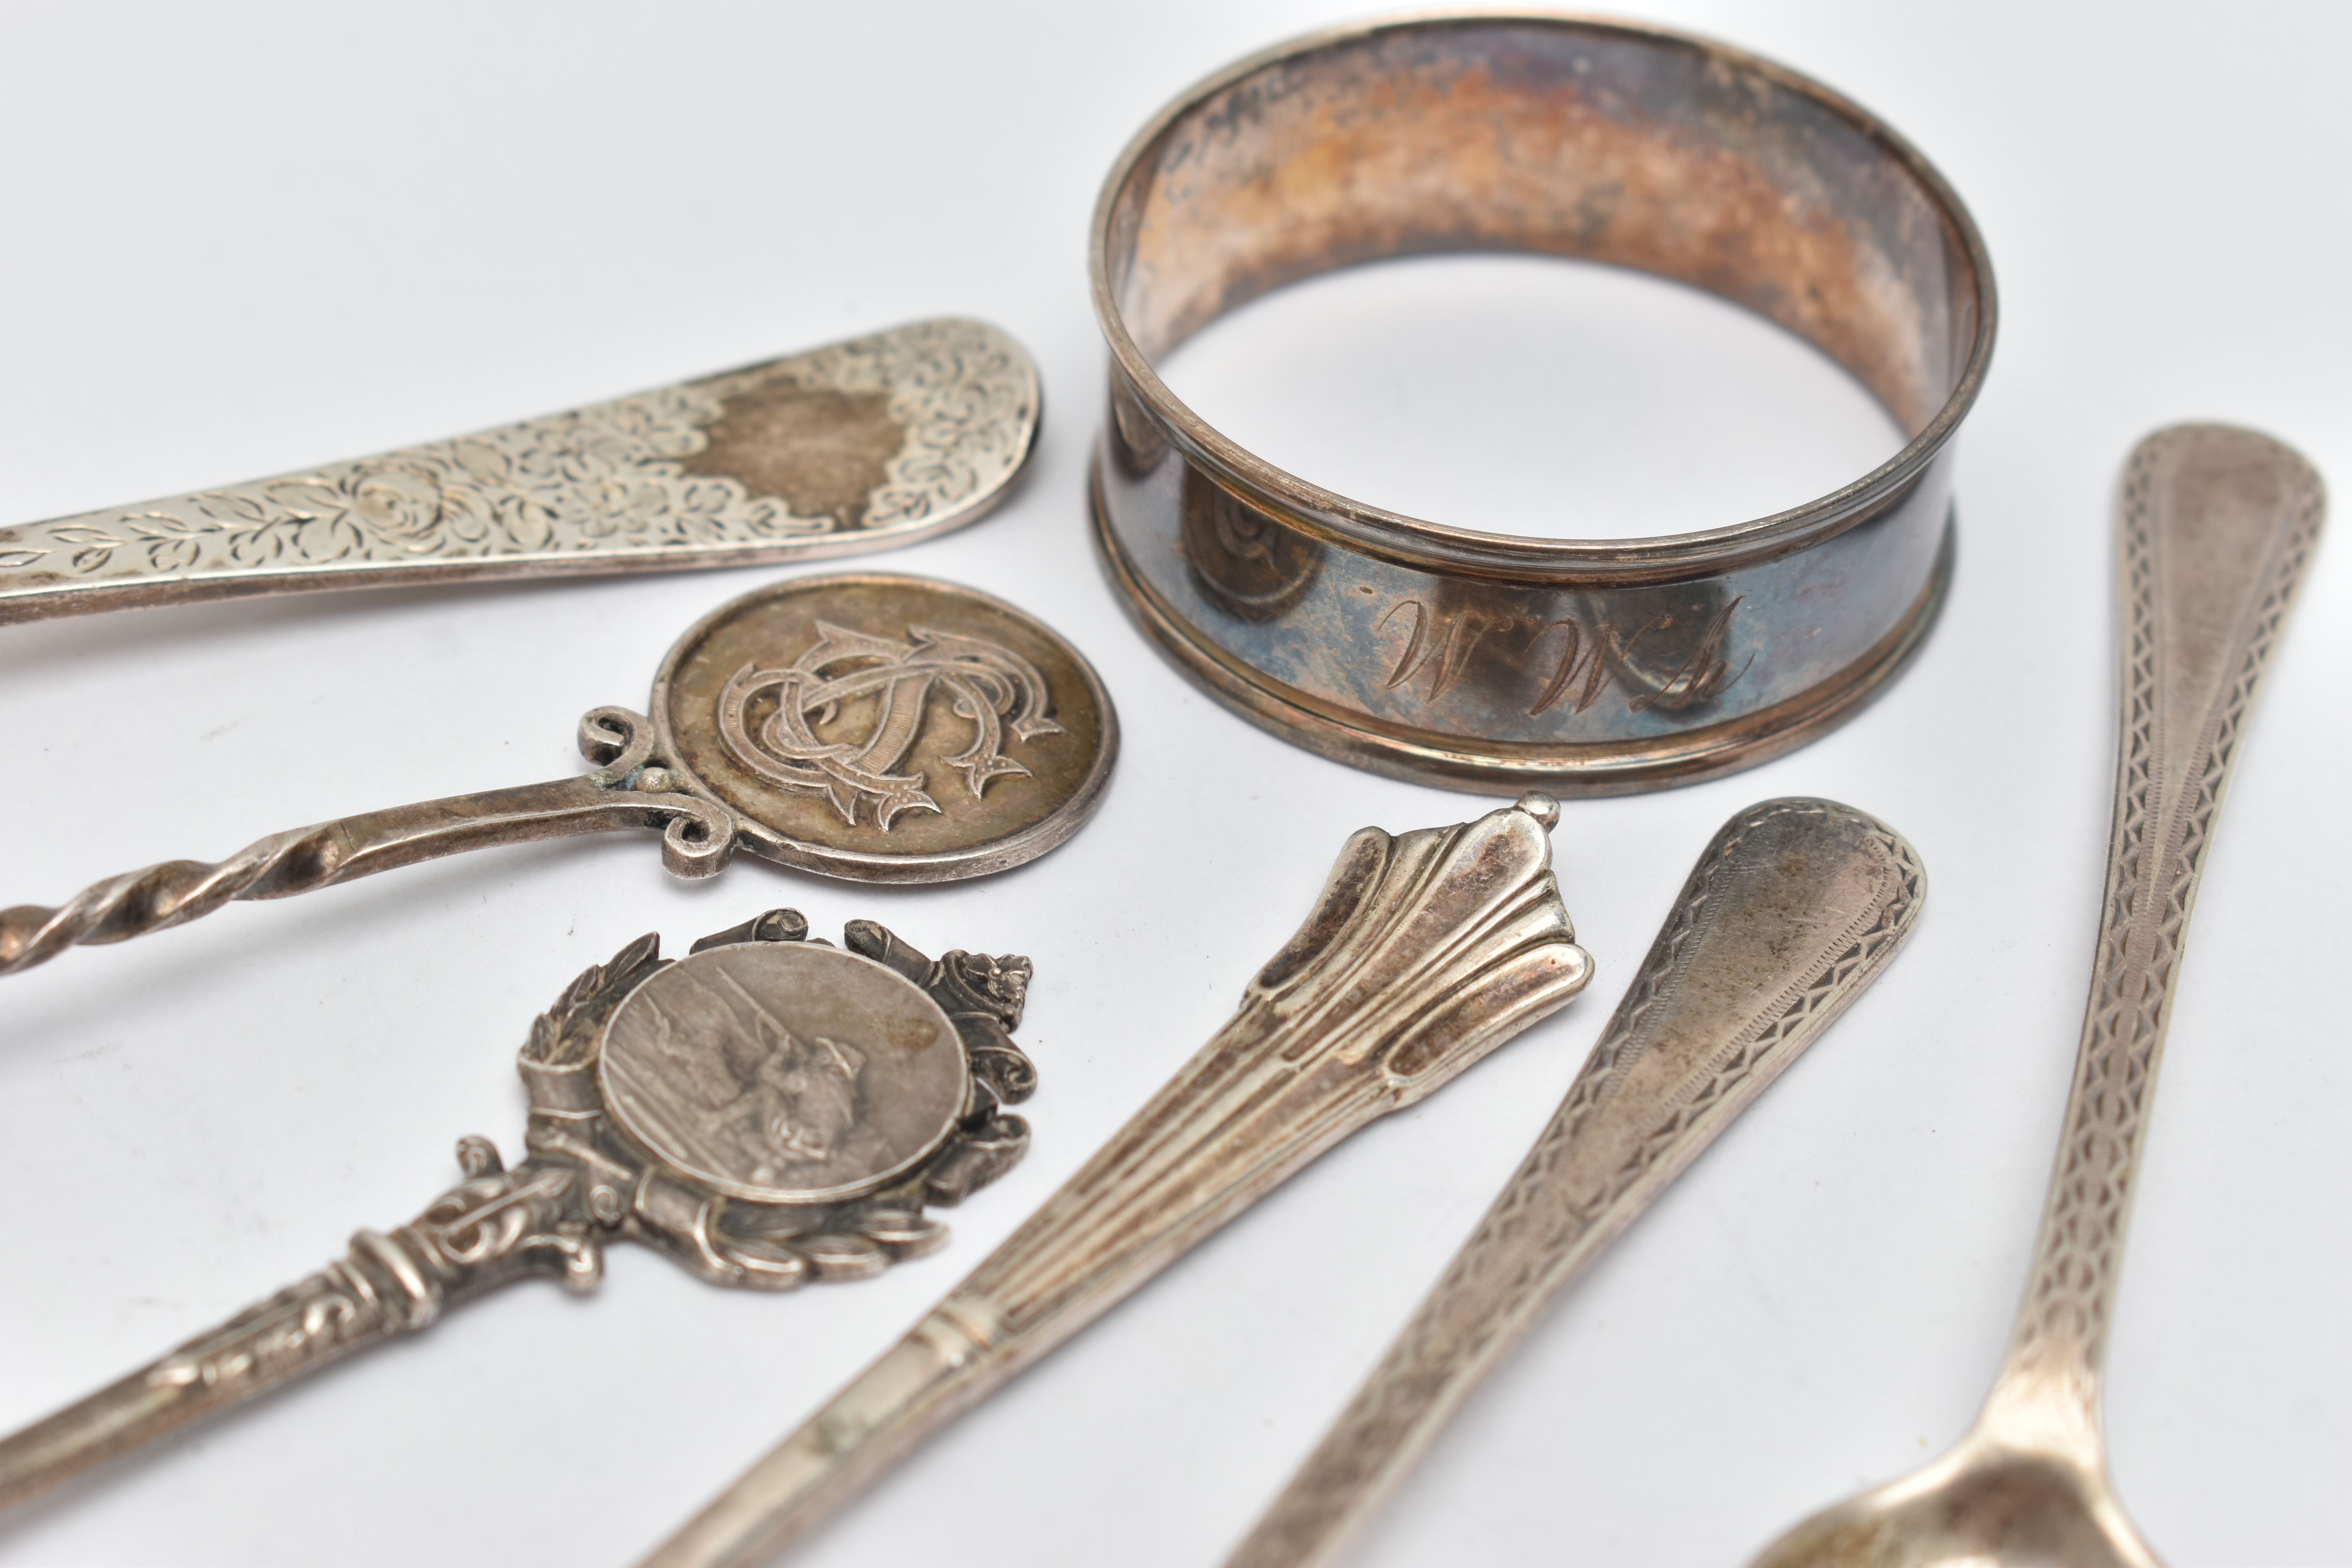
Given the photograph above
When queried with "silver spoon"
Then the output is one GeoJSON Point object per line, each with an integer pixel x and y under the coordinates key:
{"type": "Point", "coordinates": [2216, 526]}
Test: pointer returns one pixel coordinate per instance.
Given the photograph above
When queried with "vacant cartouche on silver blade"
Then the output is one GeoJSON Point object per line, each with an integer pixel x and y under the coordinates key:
{"type": "Point", "coordinates": [857, 446]}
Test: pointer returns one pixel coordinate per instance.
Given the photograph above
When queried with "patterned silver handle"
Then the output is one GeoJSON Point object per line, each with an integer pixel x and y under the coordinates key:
{"type": "Point", "coordinates": [2217, 527]}
{"type": "Point", "coordinates": [498, 1226]}
{"type": "Point", "coordinates": [1793, 910]}
{"type": "Point", "coordinates": [858, 445]}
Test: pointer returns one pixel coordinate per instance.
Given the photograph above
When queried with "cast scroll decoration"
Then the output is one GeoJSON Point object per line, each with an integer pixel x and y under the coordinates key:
{"type": "Point", "coordinates": [626, 1190]}
{"type": "Point", "coordinates": [587, 1183]}
{"type": "Point", "coordinates": [493, 1227]}
{"type": "Point", "coordinates": [326, 1313]}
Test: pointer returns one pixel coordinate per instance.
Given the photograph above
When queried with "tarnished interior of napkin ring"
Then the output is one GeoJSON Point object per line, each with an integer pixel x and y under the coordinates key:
{"type": "Point", "coordinates": [1440, 653]}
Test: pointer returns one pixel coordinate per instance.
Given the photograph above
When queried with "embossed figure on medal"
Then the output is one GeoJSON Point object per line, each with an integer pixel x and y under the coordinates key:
{"type": "Point", "coordinates": [874, 728]}
{"type": "Point", "coordinates": [768, 1110]}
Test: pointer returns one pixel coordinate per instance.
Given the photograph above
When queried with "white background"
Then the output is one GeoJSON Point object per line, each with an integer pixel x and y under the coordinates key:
{"type": "Point", "coordinates": [242, 239]}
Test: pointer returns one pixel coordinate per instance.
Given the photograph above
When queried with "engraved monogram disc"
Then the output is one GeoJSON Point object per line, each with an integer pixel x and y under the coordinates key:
{"type": "Point", "coordinates": [784, 1073]}
{"type": "Point", "coordinates": [888, 727]}
{"type": "Point", "coordinates": [881, 729]}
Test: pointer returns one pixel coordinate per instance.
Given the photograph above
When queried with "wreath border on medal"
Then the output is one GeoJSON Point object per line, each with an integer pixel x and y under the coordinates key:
{"type": "Point", "coordinates": [625, 1189]}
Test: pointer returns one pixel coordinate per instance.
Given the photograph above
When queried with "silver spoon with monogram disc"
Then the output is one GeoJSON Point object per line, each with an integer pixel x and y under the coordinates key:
{"type": "Point", "coordinates": [881, 729]}
{"type": "Point", "coordinates": [768, 1110]}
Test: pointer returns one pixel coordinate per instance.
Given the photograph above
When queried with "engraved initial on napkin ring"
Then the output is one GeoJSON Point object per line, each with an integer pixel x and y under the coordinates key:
{"type": "Point", "coordinates": [1444, 655]}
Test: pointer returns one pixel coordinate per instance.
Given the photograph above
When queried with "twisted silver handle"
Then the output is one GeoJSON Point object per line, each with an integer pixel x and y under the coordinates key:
{"type": "Point", "coordinates": [697, 838]}
{"type": "Point", "coordinates": [169, 894]}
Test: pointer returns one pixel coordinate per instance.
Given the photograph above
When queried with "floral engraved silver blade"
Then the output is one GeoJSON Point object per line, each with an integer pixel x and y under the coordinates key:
{"type": "Point", "coordinates": [1793, 910]}
{"type": "Point", "coordinates": [1426, 951]}
{"type": "Point", "coordinates": [857, 446]}
{"type": "Point", "coordinates": [768, 1110]}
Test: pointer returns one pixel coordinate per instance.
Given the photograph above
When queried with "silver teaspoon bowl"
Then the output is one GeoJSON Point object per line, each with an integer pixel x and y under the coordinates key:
{"type": "Point", "coordinates": [2217, 527]}
{"type": "Point", "coordinates": [1985, 1502]}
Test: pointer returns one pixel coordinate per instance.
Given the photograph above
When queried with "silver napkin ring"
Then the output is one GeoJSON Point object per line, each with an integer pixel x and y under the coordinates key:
{"type": "Point", "coordinates": [1450, 655]}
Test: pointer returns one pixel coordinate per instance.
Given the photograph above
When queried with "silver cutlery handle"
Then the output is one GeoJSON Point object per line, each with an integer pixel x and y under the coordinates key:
{"type": "Point", "coordinates": [2217, 527]}
{"type": "Point", "coordinates": [1427, 950]}
{"type": "Point", "coordinates": [857, 446]}
{"type": "Point", "coordinates": [1792, 911]}
{"type": "Point", "coordinates": [697, 837]}
{"type": "Point", "coordinates": [498, 1226]}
